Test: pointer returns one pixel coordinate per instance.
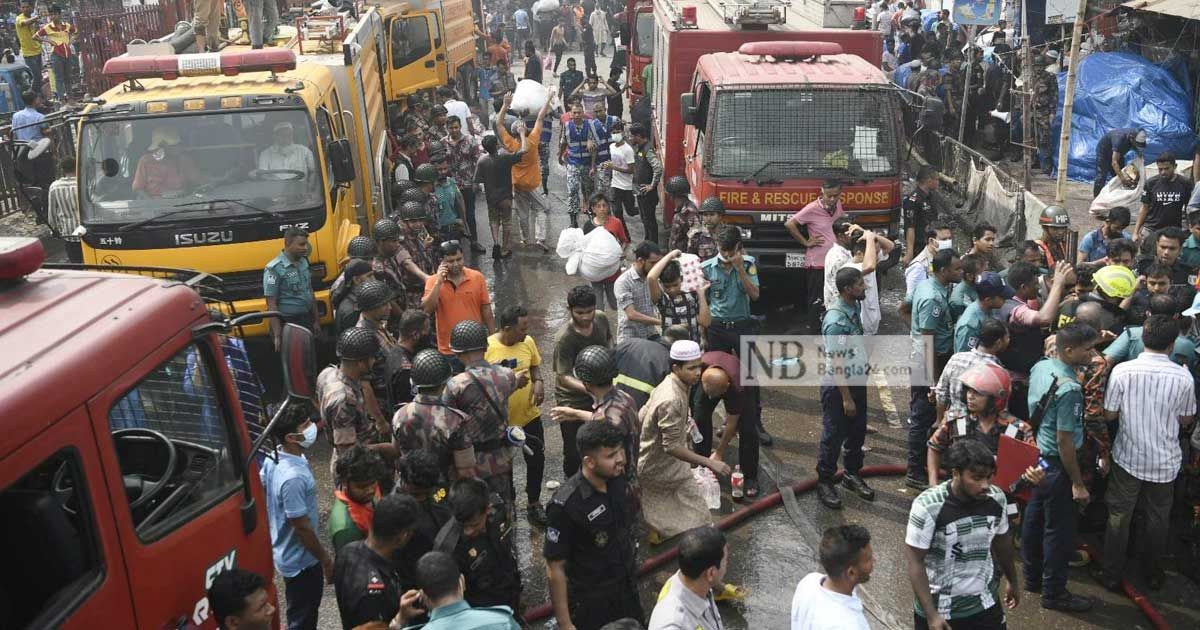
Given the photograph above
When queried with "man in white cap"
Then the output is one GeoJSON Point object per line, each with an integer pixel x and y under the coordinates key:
{"type": "Point", "coordinates": [671, 501]}
{"type": "Point", "coordinates": [285, 155]}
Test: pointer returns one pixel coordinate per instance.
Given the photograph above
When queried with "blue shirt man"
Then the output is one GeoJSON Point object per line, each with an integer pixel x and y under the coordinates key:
{"type": "Point", "coordinates": [1128, 346]}
{"type": "Point", "coordinates": [26, 124]}
{"type": "Point", "coordinates": [287, 283]}
{"type": "Point", "coordinates": [521, 19]}
{"type": "Point", "coordinates": [727, 298]}
{"type": "Point", "coordinates": [1094, 244]}
{"type": "Point", "coordinates": [931, 312]}
{"type": "Point", "coordinates": [291, 493]}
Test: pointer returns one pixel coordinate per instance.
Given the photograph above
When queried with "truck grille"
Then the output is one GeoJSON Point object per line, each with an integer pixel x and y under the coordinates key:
{"type": "Point", "coordinates": [248, 285]}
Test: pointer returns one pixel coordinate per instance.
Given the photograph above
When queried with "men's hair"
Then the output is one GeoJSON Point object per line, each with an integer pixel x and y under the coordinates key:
{"type": "Point", "coordinates": [450, 248]}
{"type": "Point", "coordinates": [438, 573]}
{"type": "Point", "coordinates": [593, 436]}
{"type": "Point", "coordinates": [677, 332]}
{"type": "Point", "coordinates": [728, 237]}
{"type": "Point", "coordinates": [359, 464]}
{"type": "Point", "coordinates": [511, 314]}
{"type": "Point", "coordinates": [1172, 232]}
{"type": "Point", "coordinates": [1165, 156]}
{"type": "Point", "coordinates": [700, 548]}
{"type": "Point", "coordinates": [29, 96]}
{"type": "Point", "coordinates": [581, 296]}
{"type": "Point", "coordinates": [290, 422]}
{"type": "Point", "coordinates": [991, 331]}
{"type": "Point", "coordinates": [408, 141]}
{"type": "Point", "coordinates": [446, 93]}
{"type": "Point", "coordinates": [628, 623]}
{"type": "Point", "coordinates": [840, 548]}
{"type": "Point", "coordinates": [842, 225]}
{"type": "Point", "coordinates": [1193, 218]}
{"type": "Point", "coordinates": [925, 173]}
{"type": "Point", "coordinates": [1028, 246]}
{"type": "Point", "coordinates": [229, 591]}
{"type": "Point", "coordinates": [671, 274]}
{"type": "Point", "coordinates": [973, 455]}
{"type": "Point", "coordinates": [1074, 335]}
{"type": "Point", "coordinates": [1158, 270]}
{"type": "Point", "coordinates": [293, 233]}
{"type": "Point", "coordinates": [490, 144]}
{"type": "Point", "coordinates": [1021, 273]}
{"type": "Point", "coordinates": [412, 321]}
{"type": "Point", "coordinates": [1163, 304]}
{"type": "Point", "coordinates": [1085, 275]}
{"type": "Point", "coordinates": [934, 228]}
{"type": "Point", "coordinates": [595, 199]}
{"type": "Point", "coordinates": [973, 263]}
{"type": "Point", "coordinates": [1122, 245]}
{"type": "Point", "coordinates": [858, 246]}
{"type": "Point", "coordinates": [67, 165]}
{"type": "Point", "coordinates": [846, 277]}
{"type": "Point", "coordinates": [981, 230]}
{"type": "Point", "coordinates": [638, 129]}
{"type": "Point", "coordinates": [618, 125]}
{"type": "Point", "coordinates": [420, 468]}
{"type": "Point", "coordinates": [1159, 332]}
{"type": "Point", "coordinates": [1120, 214]}
{"type": "Point", "coordinates": [943, 259]}
{"type": "Point", "coordinates": [453, 119]}
{"type": "Point", "coordinates": [394, 514]}
{"type": "Point", "coordinates": [468, 498]}
{"type": "Point", "coordinates": [831, 183]}
{"type": "Point", "coordinates": [646, 249]}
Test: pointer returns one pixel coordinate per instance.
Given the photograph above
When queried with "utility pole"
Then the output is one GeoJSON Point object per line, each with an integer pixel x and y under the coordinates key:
{"type": "Point", "coordinates": [1064, 139]}
{"type": "Point", "coordinates": [1027, 81]}
{"type": "Point", "coordinates": [962, 124]}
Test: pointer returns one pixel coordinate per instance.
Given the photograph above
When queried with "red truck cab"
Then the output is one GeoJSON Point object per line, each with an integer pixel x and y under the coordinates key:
{"type": "Point", "coordinates": [126, 476]}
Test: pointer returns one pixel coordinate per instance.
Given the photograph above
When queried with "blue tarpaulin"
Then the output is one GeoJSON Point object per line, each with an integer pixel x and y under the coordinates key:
{"type": "Point", "coordinates": [1124, 90]}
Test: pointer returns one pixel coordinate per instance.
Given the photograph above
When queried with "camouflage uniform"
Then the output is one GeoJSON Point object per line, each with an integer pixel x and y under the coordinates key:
{"type": "Point", "coordinates": [1045, 105]}
{"type": "Point", "coordinates": [620, 410]}
{"type": "Point", "coordinates": [414, 246]}
{"type": "Point", "coordinates": [343, 408]}
{"type": "Point", "coordinates": [390, 271]}
{"type": "Point", "coordinates": [482, 392]}
{"type": "Point", "coordinates": [428, 423]}
{"type": "Point", "coordinates": [687, 217]}
{"type": "Point", "coordinates": [700, 241]}
{"type": "Point", "coordinates": [381, 377]}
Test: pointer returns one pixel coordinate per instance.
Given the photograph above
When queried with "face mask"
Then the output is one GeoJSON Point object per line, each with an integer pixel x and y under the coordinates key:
{"type": "Point", "coordinates": [159, 154]}
{"type": "Point", "coordinates": [616, 137]}
{"type": "Point", "coordinates": [310, 436]}
{"type": "Point", "coordinates": [946, 244]}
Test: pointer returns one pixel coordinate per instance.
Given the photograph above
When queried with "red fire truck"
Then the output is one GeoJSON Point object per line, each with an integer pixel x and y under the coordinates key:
{"type": "Point", "coordinates": [127, 476]}
{"type": "Point", "coordinates": [767, 111]}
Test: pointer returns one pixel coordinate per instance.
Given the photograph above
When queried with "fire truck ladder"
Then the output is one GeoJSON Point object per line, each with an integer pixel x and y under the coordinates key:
{"type": "Point", "coordinates": [751, 13]}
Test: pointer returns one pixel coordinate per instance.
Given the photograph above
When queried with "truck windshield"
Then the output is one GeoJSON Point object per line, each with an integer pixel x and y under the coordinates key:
{"type": "Point", "coordinates": [810, 132]}
{"type": "Point", "coordinates": [133, 169]}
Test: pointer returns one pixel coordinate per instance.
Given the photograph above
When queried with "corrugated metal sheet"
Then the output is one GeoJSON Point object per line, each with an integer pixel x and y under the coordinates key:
{"type": "Point", "coordinates": [1189, 9]}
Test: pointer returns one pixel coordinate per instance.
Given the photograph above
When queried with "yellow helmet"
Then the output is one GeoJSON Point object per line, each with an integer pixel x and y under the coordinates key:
{"type": "Point", "coordinates": [1115, 281]}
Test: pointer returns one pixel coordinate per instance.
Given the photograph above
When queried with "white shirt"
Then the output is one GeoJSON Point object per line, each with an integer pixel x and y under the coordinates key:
{"type": "Point", "coordinates": [1151, 392]}
{"type": "Point", "coordinates": [621, 156]}
{"type": "Point", "coordinates": [293, 157]}
{"type": "Point", "coordinates": [817, 608]}
{"type": "Point", "coordinates": [458, 108]}
{"type": "Point", "coordinates": [916, 272]}
{"type": "Point", "coordinates": [871, 314]}
{"type": "Point", "coordinates": [62, 203]}
{"type": "Point", "coordinates": [835, 259]}
{"type": "Point", "coordinates": [679, 608]}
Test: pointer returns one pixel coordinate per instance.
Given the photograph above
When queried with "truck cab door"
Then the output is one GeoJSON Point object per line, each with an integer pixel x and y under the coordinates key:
{"type": "Point", "coordinates": [58, 534]}
{"type": "Point", "coordinates": [172, 442]}
{"type": "Point", "coordinates": [413, 43]}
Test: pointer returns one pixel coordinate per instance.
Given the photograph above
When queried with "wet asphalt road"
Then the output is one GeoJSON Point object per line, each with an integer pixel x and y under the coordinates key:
{"type": "Point", "coordinates": [772, 551]}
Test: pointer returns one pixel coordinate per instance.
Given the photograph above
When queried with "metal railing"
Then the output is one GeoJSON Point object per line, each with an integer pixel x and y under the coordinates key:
{"type": "Point", "coordinates": [105, 32]}
{"type": "Point", "coordinates": [980, 191]}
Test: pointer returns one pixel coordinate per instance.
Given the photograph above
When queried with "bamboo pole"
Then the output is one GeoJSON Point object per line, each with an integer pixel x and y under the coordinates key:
{"type": "Point", "coordinates": [1064, 139]}
{"type": "Point", "coordinates": [1027, 80]}
{"type": "Point", "coordinates": [962, 124]}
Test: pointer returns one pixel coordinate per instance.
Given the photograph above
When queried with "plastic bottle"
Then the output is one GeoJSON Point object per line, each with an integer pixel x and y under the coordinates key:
{"type": "Point", "coordinates": [736, 482]}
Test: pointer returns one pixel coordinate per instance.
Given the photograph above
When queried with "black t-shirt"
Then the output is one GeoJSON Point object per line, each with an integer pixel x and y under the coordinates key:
{"type": "Point", "coordinates": [495, 173]}
{"type": "Point", "coordinates": [1166, 199]}
{"type": "Point", "coordinates": [917, 213]}
{"type": "Point", "coordinates": [486, 562]}
{"type": "Point", "coordinates": [368, 586]}
{"type": "Point", "coordinates": [593, 532]}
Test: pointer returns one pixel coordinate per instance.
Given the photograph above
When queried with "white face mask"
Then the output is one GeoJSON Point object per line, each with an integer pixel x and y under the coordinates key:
{"type": "Point", "coordinates": [946, 244]}
{"type": "Point", "coordinates": [616, 137]}
{"type": "Point", "coordinates": [159, 154]}
{"type": "Point", "coordinates": [310, 436]}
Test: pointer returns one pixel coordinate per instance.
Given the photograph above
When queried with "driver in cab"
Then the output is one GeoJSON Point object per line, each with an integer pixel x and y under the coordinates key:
{"type": "Point", "coordinates": [284, 158]}
{"type": "Point", "coordinates": [164, 171]}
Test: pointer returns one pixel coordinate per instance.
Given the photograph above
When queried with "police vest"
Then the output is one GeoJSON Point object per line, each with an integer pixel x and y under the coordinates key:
{"type": "Point", "coordinates": [603, 137]}
{"type": "Point", "coordinates": [577, 138]}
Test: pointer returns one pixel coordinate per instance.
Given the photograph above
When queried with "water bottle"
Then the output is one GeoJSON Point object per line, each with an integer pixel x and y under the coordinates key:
{"type": "Point", "coordinates": [736, 481]}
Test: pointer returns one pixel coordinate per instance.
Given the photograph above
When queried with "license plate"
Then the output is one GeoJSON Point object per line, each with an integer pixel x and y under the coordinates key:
{"type": "Point", "coordinates": [745, 233]}
{"type": "Point", "coordinates": [794, 260]}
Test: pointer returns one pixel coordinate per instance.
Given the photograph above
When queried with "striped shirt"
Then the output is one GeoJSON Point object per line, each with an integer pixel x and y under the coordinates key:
{"type": "Point", "coordinates": [957, 536]}
{"type": "Point", "coordinates": [62, 201]}
{"type": "Point", "coordinates": [949, 387]}
{"type": "Point", "coordinates": [1151, 392]}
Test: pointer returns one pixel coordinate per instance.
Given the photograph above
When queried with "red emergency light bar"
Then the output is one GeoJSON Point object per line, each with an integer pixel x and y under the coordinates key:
{"type": "Point", "coordinates": [170, 67]}
{"type": "Point", "coordinates": [790, 50]}
{"type": "Point", "coordinates": [20, 256]}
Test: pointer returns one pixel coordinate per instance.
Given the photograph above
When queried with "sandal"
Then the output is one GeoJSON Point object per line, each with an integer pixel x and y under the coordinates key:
{"type": "Point", "coordinates": [750, 489]}
{"type": "Point", "coordinates": [653, 537]}
{"type": "Point", "coordinates": [731, 593]}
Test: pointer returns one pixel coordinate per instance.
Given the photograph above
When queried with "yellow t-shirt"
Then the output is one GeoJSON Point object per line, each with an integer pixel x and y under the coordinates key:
{"type": "Point", "coordinates": [26, 27]}
{"type": "Point", "coordinates": [520, 356]}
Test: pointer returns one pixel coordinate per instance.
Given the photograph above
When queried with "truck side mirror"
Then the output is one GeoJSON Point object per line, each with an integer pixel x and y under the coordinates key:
{"type": "Point", "coordinates": [687, 100]}
{"type": "Point", "coordinates": [342, 161]}
{"type": "Point", "coordinates": [296, 352]}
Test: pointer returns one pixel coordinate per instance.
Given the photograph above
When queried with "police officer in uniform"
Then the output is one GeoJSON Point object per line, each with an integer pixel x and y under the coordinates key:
{"type": "Point", "coordinates": [701, 239]}
{"type": "Point", "coordinates": [576, 151]}
{"type": "Point", "coordinates": [481, 391]}
{"type": "Point", "coordinates": [481, 541]}
{"type": "Point", "coordinates": [590, 551]}
{"type": "Point", "coordinates": [430, 424]}
{"type": "Point", "coordinates": [647, 172]}
{"type": "Point", "coordinates": [1056, 226]}
{"type": "Point", "coordinates": [417, 244]}
{"type": "Point", "coordinates": [687, 216]}
{"type": "Point", "coordinates": [1045, 104]}
{"type": "Point", "coordinates": [349, 410]}
{"type": "Point", "coordinates": [368, 584]}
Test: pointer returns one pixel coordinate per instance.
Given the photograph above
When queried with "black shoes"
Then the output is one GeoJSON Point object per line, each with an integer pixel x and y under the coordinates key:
{"type": "Point", "coordinates": [828, 495]}
{"type": "Point", "coordinates": [537, 515]}
{"type": "Point", "coordinates": [1156, 579]}
{"type": "Point", "coordinates": [855, 484]}
{"type": "Point", "coordinates": [1068, 602]}
{"type": "Point", "coordinates": [477, 248]}
{"type": "Point", "coordinates": [1108, 580]}
{"type": "Point", "coordinates": [915, 483]}
{"type": "Point", "coordinates": [765, 438]}
{"type": "Point", "coordinates": [496, 255]}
